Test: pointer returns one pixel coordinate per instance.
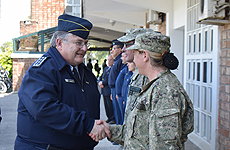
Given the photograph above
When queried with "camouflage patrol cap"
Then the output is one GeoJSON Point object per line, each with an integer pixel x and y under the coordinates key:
{"type": "Point", "coordinates": [132, 33]}
{"type": "Point", "coordinates": [151, 41]}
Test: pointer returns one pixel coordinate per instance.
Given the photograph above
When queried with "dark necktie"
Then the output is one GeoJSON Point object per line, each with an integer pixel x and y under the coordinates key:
{"type": "Point", "coordinates": [77, 76]}
{"type": "Point", "coordinates": [108, 68]}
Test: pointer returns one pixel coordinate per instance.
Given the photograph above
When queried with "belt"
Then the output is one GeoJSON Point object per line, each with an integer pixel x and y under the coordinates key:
{"type": "Point", "coordinates": [37, 146]}
{"type": "Point", "coordinates": [43, 147]}
{"type": "Point", "coordinates": [49, 147]}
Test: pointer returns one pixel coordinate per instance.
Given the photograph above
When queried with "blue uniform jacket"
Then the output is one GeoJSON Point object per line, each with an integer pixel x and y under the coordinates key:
{"type": "Point", "coordinates": [52, 107]}
{"type": "Point", "coordinates": [120, 80]}
{"type": "Point", "coordinates": [104, 78]}
{"type": "Point", "coordinates": [125, 86]}
{"type": "Point", "coordinates": [115, 70]}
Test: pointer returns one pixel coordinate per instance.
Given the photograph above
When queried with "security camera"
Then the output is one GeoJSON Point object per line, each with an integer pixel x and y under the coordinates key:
{"type": "Point", "coordinates": [112, 22]}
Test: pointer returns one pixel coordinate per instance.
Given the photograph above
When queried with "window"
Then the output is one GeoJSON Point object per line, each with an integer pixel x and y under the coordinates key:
{"type": "Point", "coordinates": [212, 40]}
{"type": "Point", "coordinates": [73, 7]}
{"type": "Point", "coordinates": [38, 42]}
{"type": "Point", "coordinates": [194, 43]}
{"type": "Point", "coordinates": [198, 71]}
{"type": "Point", "coordinates": [189, 70]}
{"type": "Point", "coordinates": [204, 98]}
{"type": "Point", "coordinates": [194, 70]}
{"type": "Point", "coordinates": [199, 42]}
{"type": "Point", "coordinates": [189, 44]}
{"type": "Point", "coordinates": [205, 72]}
{"type": "Point", "coordinates": [211, 72]}
{"type": "Point", "coordinates": [197, 121]}
{"type": "Point", "coordinates": [206, 41]}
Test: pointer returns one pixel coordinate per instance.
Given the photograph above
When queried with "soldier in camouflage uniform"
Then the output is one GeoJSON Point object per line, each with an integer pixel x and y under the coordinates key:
{"type": "Point", "coordinates": [137, 80]}
{"type": "Point", "coordinates": [162, 115]}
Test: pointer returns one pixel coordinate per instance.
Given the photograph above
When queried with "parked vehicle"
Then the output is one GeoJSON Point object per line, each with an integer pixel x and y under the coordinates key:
{"type": "Point", "coordinates": [5, 81]}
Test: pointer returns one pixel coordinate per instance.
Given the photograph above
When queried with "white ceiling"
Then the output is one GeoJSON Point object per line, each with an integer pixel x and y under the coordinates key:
{"type": "Point", "coordinates": [125, 13]}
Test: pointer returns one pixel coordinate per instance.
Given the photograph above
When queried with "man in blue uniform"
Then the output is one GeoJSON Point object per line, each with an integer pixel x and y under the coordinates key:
{"type": "Point", "coordinates": [59, 99]}
{"type": "Point", "coordinates": [105, 91]}
{"type": "Point", "coordinates": [119, 83]}
{"type": "Point", "coordinates": [115, 70]}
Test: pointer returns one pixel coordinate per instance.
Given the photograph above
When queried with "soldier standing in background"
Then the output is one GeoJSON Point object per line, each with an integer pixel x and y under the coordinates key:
{"type": "Point", "coordinates": [115, 70]}
{"type": "Point", "coordinates": [106, 92]}
{"type": "Point", "coordinates": [89, 65]}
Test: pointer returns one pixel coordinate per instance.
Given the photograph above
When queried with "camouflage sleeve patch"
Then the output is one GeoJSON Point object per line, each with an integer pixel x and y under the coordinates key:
{"type": "Point", "coordinates": [39, 61]}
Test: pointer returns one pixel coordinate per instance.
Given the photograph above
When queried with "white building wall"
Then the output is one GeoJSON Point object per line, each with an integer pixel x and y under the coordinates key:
{"type": "Point", "coordinates": [175, 22]}
{"type": "Point", "coordinates": [179, 11]}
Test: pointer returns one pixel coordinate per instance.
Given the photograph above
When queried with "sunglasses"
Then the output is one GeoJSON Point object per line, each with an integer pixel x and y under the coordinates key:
{"type": "Point", "coordinates": [128, 44]}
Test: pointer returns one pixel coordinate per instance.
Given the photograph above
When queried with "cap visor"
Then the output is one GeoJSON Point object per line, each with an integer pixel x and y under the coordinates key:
{"type": "Point", "coordinates": [125, 38]}
{"type": "Point", "coordinates": [133, 47]}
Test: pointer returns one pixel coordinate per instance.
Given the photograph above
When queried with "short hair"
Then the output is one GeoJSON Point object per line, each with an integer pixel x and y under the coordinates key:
{"type": "Point", "coordinates": [58, 34]}
{"type": "Point", "coordinates": [110, 56]}
{"type": "Point", "coordinates": [120, 46]}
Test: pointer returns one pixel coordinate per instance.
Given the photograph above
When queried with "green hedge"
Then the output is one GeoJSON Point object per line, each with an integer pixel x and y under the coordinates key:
{"type": "Point", "coordinates": [5, 57]}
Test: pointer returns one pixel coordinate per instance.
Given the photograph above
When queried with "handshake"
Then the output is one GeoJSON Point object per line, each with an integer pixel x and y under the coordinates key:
{"type": "Point", "coordinates": [100, 130]}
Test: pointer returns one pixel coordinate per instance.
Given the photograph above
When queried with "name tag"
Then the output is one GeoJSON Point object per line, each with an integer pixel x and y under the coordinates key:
{"type": "Point", "coordinates": [69, 81]}
{"type": "Point", "coordinates": [135, 89]}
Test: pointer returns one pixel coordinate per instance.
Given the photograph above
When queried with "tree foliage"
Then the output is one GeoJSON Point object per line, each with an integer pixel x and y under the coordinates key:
{"type": "Point", "coordinates": [97, 55]}
{"type": "Point", "coordinates": [8, 46]}
{"type": "Point", "coordinates": [5, 57]}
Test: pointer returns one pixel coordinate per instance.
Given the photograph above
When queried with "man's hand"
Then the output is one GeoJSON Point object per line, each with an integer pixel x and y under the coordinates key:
{"type": "Point", "coordinates": [100, 84]}
{"type": "Point", "coordinates": [100, 131]}
{"type": "Point", "coordinates": [99, 122]}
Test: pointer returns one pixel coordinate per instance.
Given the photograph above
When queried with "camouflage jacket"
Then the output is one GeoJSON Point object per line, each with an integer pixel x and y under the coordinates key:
{"type": "Point", "coordinates": [135, 86]}
{"type": "Point", "coordinates": [160, 117]}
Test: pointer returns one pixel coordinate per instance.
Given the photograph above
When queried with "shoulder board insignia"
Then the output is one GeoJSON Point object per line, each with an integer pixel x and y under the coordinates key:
{"type": "Point", "coordinates": [39, 61]}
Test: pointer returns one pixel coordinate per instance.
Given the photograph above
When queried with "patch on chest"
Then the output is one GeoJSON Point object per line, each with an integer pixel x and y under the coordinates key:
{"type": "Point", "coordinates": [135, 89]}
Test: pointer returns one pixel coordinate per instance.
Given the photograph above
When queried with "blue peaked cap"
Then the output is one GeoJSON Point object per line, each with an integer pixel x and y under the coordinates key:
{"type": "Point", "coordinates": [75, 25]}
{"type": "Point", "coordinates": [111, 46]}
{"type": "Point", "coordinates": [116, 42]}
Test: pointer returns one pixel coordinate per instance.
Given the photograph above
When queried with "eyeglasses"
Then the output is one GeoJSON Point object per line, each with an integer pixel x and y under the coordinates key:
{"type": "Point", "coordinates": [114, 48]}
{"type": "Point", "coordinates": [128, 44]}
{"type": "Point", "coordinates": [80, 44]}
{"type": "Point", "coordinates": [110, 59]}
